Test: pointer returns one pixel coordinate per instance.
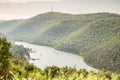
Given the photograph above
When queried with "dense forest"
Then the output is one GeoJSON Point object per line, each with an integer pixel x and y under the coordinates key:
{"type": "Point", "coordinates": [96, 37]}
{"type": "Point", "coordinates": [14, 67]}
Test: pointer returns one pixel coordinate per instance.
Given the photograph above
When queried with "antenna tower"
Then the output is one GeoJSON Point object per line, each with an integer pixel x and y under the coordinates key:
{"type": "Point", "coordinates": [51, 8]}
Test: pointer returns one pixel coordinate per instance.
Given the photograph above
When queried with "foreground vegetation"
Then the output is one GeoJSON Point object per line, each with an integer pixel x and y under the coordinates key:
{"type": "Point", "coordinates": [13, 67]}
{"type": "Point", "coordinates": [24, 71]}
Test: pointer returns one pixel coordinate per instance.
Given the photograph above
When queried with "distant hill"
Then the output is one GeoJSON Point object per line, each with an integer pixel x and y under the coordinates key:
{"type": "Point", "coordinates": [2, 35]}
{"type": "Point", "coordinates": [7, 26]}
{"type": "Point", "coordinates": [96, 36]}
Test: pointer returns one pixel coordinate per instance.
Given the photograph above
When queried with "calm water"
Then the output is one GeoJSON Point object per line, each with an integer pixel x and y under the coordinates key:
{"type": "Point", "coordinates": [43, 56]}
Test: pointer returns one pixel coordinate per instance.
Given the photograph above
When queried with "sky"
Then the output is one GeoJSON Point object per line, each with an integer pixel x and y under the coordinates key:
{"type": "Point", "coordinates": [22, 9]}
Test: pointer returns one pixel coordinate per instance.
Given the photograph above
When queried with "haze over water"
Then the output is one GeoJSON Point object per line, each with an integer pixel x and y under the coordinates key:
{"type": "Point", "coordinates": [43, 56]}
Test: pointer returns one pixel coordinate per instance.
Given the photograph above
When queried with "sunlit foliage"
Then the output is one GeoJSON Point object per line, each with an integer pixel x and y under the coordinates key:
{"type": "Point", "coordinates": [4, 57]}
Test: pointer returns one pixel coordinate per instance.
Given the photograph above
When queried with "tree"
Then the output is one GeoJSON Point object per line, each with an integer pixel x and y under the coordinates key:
{"type": "Point", "coordinates": [4, 57]}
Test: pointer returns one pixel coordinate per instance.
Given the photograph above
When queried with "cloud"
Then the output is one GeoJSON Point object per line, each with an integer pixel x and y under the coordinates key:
{"type": "Point", "coordinates": [23, 1]}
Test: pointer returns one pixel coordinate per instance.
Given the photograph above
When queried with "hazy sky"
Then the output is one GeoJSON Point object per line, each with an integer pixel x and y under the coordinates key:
{"type": "Point", "coordinates": [14, 9]}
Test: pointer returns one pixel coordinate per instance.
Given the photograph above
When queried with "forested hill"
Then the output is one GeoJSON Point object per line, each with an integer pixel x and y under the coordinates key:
{"type": "Point", "coordinates": [95, 36]}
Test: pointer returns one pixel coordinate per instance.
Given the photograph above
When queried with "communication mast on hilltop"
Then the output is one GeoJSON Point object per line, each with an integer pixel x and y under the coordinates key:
{"type": "Point", "coordinates": [51, 8]}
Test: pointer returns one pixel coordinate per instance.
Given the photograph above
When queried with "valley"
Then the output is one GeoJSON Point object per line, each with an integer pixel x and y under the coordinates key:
{"type": "Point", "coordinates": [95, 37]}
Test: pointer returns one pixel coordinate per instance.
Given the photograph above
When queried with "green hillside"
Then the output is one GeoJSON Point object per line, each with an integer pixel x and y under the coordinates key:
{"type": "Point", "coordinates": [96, 36]}
{"type": "Point", "coordinates": [7, 26]}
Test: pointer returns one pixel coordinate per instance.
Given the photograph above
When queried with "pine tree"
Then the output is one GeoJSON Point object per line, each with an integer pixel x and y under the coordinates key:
{"type": "Point", "coordinates": [4, 57]}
